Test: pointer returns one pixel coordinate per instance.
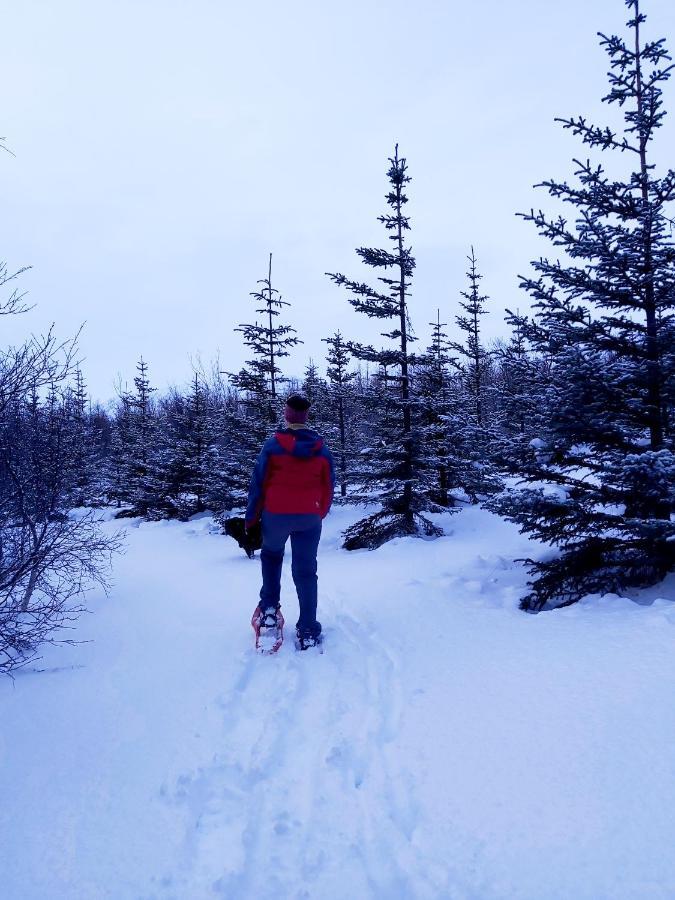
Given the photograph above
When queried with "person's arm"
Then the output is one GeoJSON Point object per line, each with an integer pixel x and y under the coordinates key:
{"type": "Point", "coordinates": [328, 484]}
{"type": "Point", "coordinates": [256, 490]}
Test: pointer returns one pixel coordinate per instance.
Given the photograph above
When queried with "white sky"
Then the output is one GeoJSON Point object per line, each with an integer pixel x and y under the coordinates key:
{"type": "Point", "coordinates": [164, 148]}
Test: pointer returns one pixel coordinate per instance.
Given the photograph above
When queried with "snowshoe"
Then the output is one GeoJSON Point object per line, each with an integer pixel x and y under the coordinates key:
{"type": "Point", "coordinates": [305, 639]}
{"type": "Point", "coordinates": [269, 630]}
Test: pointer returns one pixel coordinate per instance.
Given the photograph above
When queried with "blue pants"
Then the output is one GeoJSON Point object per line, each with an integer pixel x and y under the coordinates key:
{"type": "Point", "coordinates": [304, 530]}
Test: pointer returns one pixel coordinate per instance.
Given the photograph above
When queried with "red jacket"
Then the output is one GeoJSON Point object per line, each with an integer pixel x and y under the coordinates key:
{"type": "Point", "coordinates": [294, 474]}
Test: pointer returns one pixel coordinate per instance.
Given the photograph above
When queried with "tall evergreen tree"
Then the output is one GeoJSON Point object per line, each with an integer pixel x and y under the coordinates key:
{"type": "Point", "coordinates": [258, 384]}
{"type": "Point", "coordinates": [197, 445]}
{"type": "Point", "coordinates": [144, 431]}
{"type": "Point", "coordinates": [138, 477]}
{"type": "Point", "coordinates": [117, 486]}
{"type": "Point", "coordinates": [260, 379]}
{"type": "Point", "coordinates": [341, 404]}
{"type": "Point", "coordinates": [519, 384]}
{"type": "Point", "coordinates": [315, 389]}
{"type": "Point", "coordinates": [392, 471]}
{"type": "Point", "coordinates": [101, 430]}
{"type": "Point", "coordinates": [81, 439]}
{"type": "Point", "coordinates": [188, 452]}
{"type": "Point", "coordinates": [604, 316]}
{"type": "Point", "coordinates": [437, 400]}
{"type": "Point", "coordinates": [475, 359]}
{"type": "Point", "coordinates": [471, 424]}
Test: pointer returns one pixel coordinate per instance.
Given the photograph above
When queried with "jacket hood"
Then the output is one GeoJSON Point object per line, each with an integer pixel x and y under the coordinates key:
{"type": "Point", "coordinates": [300, 442]}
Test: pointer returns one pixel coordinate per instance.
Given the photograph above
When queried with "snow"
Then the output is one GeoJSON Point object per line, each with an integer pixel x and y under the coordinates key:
{"type": "Point", "coordinates": [444, 745]}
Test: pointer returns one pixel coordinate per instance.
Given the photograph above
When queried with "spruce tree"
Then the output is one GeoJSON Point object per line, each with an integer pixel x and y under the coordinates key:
{"type": "Point", "coordinates": [81, 439]}
{"type": "Point", "coordinates": [196, 445]}
{"type": "Point", "coordinates": [341, 405]}
{"type": "Point", "coordinates": [145, 486]}
{"type": "Point", "coordinates": [604, 317]}
{"type": "Point", "coordinates": [187, 449]}
{"type": "Point", "coordinates": [222, 430]}
{"type": "Point", "coordinates": [392, 471]}
{"type": "Point", "coordinates": [138, 476]}
{"type": "Point", "coordinates": [471, 423]}
{"type": "Point", "coordinates": [476, 359]}
{"type": "Point", "coordinates": [258, 385]}
{"type": "Point", "coordinates": [120, 463]}
{"type": "Point", "coordinates": [519, 385]}
{"type": "Point", "coordinates": [260, 379]}
{"type": "Point", "coordinates": [101, 430]}
{"type": "Point", "coordinates": [437, 397]}
{"type": "Point", "coordinates": [315, 389]}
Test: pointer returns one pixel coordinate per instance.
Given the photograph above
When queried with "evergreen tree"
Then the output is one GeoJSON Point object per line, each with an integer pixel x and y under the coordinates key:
{"type": "Point", "coordinates": [184, 450]}
{"type": "Point", "coordinates": [39, 454]}
{"type": "Point", "coordinates": [101, 428]}
{"type": "Point", "coordinates": [196, 444]}
{"type": "Point", "coordinates": [476, 359]}
{"type": "Point", "coordinates": [258, 384]}
{"type": "Point", "coordinates": [145, 486]}
{"type": "Point", "coordinates": [520, 378]}
{"type": "Point", "coordinates": [341, 402]}
{"type": "Point", "coordinates": [81, 440]}
{"type": "Point", "coordinates": [121, 452]}
{"type": "Point", "coordinates": [222, 430]}
{"type": "Point", "coordinates": [437, 399]}
{"type": "Point", "coordinates": [259, 380]}
{"type": "Point", "coordinates": [315, 389]}
{"type": "Point", "coordinates": [604, 318]}
{"type": "Point", "coordinates": [138, 475]}
{"type": "Point", "coordinates": [471, 423]}
{"type": "Point", "coordinates": [392, 472]}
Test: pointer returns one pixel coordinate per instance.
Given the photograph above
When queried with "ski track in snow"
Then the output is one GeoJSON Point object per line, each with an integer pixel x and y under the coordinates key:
{"type": "Point", "coordinates": [351, 795]}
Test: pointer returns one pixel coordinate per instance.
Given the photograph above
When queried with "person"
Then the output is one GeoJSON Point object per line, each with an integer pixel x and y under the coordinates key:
{"type": "Point", "coordinates": [291, 492]}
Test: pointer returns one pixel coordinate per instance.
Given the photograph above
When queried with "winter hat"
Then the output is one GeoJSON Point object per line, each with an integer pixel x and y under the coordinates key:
{"type": "Point", "coordinates": [297, 409]}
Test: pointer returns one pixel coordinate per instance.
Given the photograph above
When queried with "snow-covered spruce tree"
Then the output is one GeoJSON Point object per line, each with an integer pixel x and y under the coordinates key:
{"type": "Point", "coordinates": [340, 430]}
{"type": "Point", "coordinates": [196, 446]}
{"type": "Point", "coordinates": [392, 472]}
{"type": "Point", "coordinates": [519, 384]}
{"type": "Point", "coordinates": [145, 486]}
{"type": "Point", "coordinates": [191, 452]}
{"type": "Point", "coordinates": [315, 389]}
{"type": "Point", "coordinates": [139, 463]}
{"type": "Point", "coordinates": [120, 461]}
{"type": "Point", "coordinates": [258, 383]}
{"type": "Point", "coordinates": [604, 317]}
{"type": "Point", "coordinates": [438, 403]}
{"type": "Point", "coordinates": [471, 423]}
{"type": "Point", "coordinates": [80, 435]}
{"type": "Point", "coordinates": [100, 427]}
{"type": "Point", "coordinates": [259, 380]}
{"type": "Point", "coordinates": [222, 430]}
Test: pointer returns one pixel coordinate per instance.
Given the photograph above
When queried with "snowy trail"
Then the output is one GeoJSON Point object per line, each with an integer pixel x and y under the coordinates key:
{"type": "Point", "coordinates": [509, 756]}
{"type": "Point", "coordinates": [316, 729]}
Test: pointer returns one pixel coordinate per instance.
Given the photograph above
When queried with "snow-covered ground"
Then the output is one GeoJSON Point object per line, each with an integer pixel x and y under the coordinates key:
{"type": "Point", "coordinates": [445, 745]}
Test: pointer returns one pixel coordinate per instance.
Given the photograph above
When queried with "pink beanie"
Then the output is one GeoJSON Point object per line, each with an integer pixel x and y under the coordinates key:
{"type": "Point", "coordinates": [297, 409]}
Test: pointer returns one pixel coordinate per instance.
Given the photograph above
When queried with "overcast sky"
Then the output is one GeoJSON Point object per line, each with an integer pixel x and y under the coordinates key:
{"type": "Point", "coordinates": [164, 148]}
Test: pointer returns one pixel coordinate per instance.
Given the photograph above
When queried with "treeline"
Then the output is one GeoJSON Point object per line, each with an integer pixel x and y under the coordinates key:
{"type": "Point", "coordinates": [184, 451]}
